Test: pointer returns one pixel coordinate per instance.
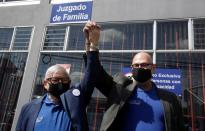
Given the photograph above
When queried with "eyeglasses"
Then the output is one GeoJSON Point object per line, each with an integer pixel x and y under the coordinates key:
{"type": "Point", "coordinates": [142, 65]}
{"type": "Point", "coordinates": [55, 80]}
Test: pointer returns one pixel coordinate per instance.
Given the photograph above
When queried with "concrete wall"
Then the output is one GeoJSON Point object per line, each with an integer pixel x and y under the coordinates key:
{"type": "Point", "coordinates": [108, 10]}
{"type": "Point", "coordinates": [25, 15]}
{"type": "Point", "coordinates": [123, 10]}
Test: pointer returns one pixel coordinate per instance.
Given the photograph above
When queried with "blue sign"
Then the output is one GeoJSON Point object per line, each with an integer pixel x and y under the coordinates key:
{"type": "Point", "coordinates": [76, 12]}
{"type": "Point", "coordinates": [169, 79]}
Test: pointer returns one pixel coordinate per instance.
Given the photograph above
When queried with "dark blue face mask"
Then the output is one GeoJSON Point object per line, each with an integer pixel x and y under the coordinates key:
{"type": "Point", "coordinates": [58, 88]}
{"type": "Point", "coordinates": [141, 75]}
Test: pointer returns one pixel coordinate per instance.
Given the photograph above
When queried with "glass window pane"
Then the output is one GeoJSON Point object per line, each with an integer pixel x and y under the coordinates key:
{"type": "Point", "coordinates": [55, 36]}
{"type": "Point", "coordinates": [115, 62]}
{"type": "Point", "coordinates": [134, 36]}
{"type": "Point", "coordinates": [22, 38]}
{"type": "Point", "coordinates": [192, 66]}
{"type": "Point", "coordinates": [11, 73]}
{"type": "Point", "coordinates": [115, 37]}
{"type": "Point", "coordinates": [199, 34]}
{"type": "Point", "coordinates": [5, 38]}
{"type": "Point", "coordinates": [172, 35]}
{"type": "Point", "coordinates": [76, 39]}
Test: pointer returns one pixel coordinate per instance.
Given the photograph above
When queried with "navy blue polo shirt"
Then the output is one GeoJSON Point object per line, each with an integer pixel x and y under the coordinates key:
{"type": "Point", "coordinates": [52, 117]}
{"type": "Point", "coordinates": [143, 112]}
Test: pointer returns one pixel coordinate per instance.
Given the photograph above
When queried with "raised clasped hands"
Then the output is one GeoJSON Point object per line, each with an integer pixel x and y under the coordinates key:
{"type": "Point", "coordinates": [92, 34]}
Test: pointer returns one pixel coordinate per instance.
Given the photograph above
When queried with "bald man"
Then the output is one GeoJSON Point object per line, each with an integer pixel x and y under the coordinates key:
{"type": "Point", "coordinates": [135, 103]}
{"type": "Point", "coordinates": [63, 107]}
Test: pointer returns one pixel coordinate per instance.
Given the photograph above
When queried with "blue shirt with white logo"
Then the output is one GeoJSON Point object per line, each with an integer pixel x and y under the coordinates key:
{"type": "Point", "coordinates": [52, 117]}
{"type": "Point", "coordinates": [143, 112]}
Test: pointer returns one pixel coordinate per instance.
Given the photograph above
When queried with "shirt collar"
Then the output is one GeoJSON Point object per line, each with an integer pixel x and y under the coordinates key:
{"type": "Point", "coordinates": [152, 89]}
{"type": "Point", "coordinates": [47, 101]}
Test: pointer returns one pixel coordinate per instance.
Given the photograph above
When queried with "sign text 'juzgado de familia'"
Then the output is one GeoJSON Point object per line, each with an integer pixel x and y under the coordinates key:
{"type": "Point", "coordinates": [71, 12]}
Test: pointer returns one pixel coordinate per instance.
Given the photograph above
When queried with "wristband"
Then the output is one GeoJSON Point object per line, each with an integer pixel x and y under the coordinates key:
{"type": "Point", "coordinates": [91, 47]}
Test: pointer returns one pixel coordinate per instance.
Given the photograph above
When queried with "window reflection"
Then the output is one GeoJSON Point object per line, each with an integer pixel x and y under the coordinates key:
{"type": "Point", "coordinates": [11, 74]}
{"type": "Point", "coordinates": [192, 66]}
{"type": "Point", "coordinates": [133, 36]}
{"type": "Point", "coordinates": [22, 38]}
{"type": "Point", "coordinates": [76, 39]}
{"type": "Point", "coordinates": [5, 38]}
{"type": "Point", "coordinates": [172, 35]}
{"type": "Point", "coordinates": [199, 34]}
{"type": "Point", "coordinates": [55, 37]}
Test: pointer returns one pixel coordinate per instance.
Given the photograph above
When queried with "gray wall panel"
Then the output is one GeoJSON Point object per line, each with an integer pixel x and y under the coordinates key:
{"type": "Point", "coordinates": [25, 14]}
{"type": "Point", "coordinates": [108, 10]}
{"type": "Point", "coordinates": [123, 10]}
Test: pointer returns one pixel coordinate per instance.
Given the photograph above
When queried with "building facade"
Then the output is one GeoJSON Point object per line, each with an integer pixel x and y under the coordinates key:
{"type": "Point", "coordinates": [173, 32]}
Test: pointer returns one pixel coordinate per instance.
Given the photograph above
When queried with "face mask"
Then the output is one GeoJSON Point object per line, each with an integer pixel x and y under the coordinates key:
{"type": "Point", "coordinates": [58, 89]}
{"type": "Point", "coordinates": [141, 75]}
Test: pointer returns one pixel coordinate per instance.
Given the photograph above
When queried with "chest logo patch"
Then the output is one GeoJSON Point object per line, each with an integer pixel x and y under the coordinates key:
{"type": "Point", "coordinates": [76, 92]}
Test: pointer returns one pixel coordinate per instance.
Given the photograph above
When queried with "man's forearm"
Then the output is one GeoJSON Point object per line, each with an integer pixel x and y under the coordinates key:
{"type": "Point", "coordinates": [91, 72]}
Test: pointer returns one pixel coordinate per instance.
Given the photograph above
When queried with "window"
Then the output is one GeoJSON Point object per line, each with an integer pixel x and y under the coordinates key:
{"type": "Point", "coordinates": [134, 36]}
{"type": "Point", "coordinates": [20, 35]}
{"type": "Point", "coordinates": [55, 38]}
{"type": "Point", "coordinates": [5, 38]}
{"type": "Point", "coordinates": [172, 35]}
{"type": "Point", "coordinates": [22, 38]}
{"type": "Point", "coordinates": [11, 73]}
{"type": "Point", "coordinates": [192, 66]}
{"type": "Point", "coordinates": [113, 37]}
{"type": "Point", "coordinates": [76, 39]}
{"type": "Point", "coordinates": [199, 34]}
{"type": "Point", "coordinates": [12, 66]}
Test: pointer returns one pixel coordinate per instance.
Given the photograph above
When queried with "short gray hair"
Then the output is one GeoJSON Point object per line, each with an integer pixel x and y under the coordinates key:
{"type": "Point", "coordinates": [53, 69]}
